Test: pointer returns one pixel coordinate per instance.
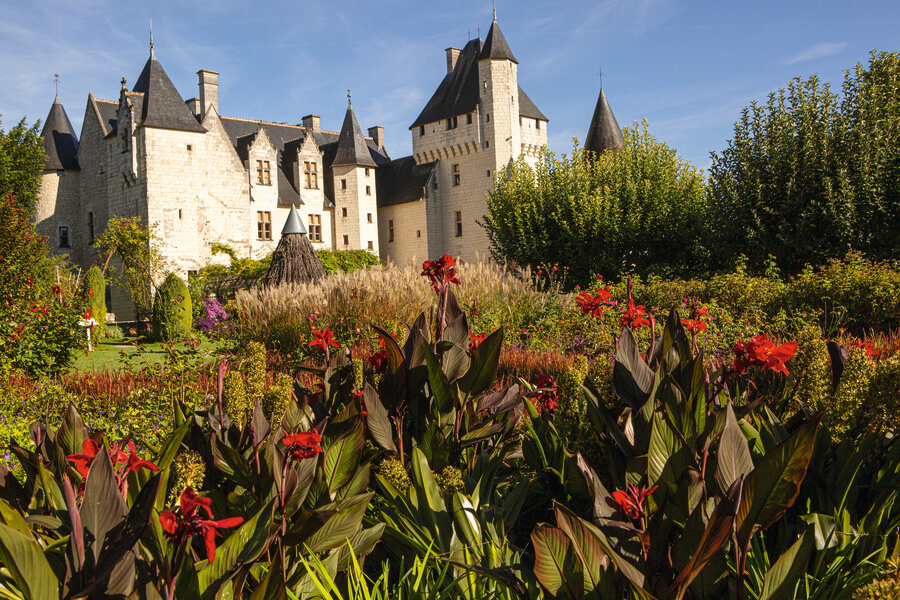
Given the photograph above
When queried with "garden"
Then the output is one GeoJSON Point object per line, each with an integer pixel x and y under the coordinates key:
{"type": "Point", "coordinates": [670, 419]}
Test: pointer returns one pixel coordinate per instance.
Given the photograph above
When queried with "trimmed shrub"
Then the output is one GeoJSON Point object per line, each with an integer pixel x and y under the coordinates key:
{"type": "Point", "coordinates": [346, 261]}
{"type": "Point", "coordinates": [172, 310]}
{"type": "Point", "coordinates": [93, 290]}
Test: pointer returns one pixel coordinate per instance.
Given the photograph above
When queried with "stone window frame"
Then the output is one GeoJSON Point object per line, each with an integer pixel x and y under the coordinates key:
{"type": "Point", "coordinates": [315, 228]}
{"type": "Point", "coordinates": [263, 172]}
{"type": "Point", "coordinates": [343, 184]}
{"type": "Point", "coordinates": [459, 223]}
{"type": "Point", "coordinates": [368, 217]}
{"type": "Point", "coordinates": [371, 245]}
{"type": "Point", "coordinates": [63, 236]}
{"type": "Point", "coordinates": [264, 225]}
{"type": "Point", "coordinates": [421, 130]}
{"type": "Point", "coordinates": [311, 174]}
{"type": "Point", "coordinates": [344, 212]}
{"type": "Point", "coordinates": [390, 230]}
{"type": "Point", "coordinates": [368, 190]}
{"type": "Point", "coordinates": [456, 175]}
{"type": "Point", "coordinates": [346, 240]}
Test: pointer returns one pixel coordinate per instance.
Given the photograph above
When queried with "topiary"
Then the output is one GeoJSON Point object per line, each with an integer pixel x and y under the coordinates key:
{"type": "Point", "coordinates": [172, 310]}
{"type": "Point", "coordinates": [93, 291]}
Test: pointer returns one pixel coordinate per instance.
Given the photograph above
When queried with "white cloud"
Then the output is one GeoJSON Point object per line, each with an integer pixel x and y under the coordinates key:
{"type": "Point", "coordinates": [818, 51]}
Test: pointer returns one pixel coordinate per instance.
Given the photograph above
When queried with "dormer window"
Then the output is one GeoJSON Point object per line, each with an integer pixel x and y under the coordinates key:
{"type": "Point", "coordinates": [263, 173]}
{"type": "Point", "coordinates": [311, 175]}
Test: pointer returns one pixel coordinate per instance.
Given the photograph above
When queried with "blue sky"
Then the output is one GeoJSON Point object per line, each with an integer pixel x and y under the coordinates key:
{"type": "Point", "coordinates": [687, 67]}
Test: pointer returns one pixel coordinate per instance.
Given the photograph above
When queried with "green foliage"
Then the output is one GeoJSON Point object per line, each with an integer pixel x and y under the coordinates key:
{"type": "Point", "coordinates": [235, 401]}
{"type": "Point", "coordinates": [807, 176]}
{"type": "Point", "coordinates": [135, 246]}
{"type": "Point", "coordinates": [881, 408]}
{"type": "Point", "coordinates": [641, 209]}
{"type": "Point", "coordinates": [39, 332]}
{"type": "Point", "coordinates": [21, 163]}
{"type": "Point", "coordinates": [222, 281]}
{"type": "Point", "coordinates": [188, 470]}
{"type": "Point", "coordinates": [844, 412]}
{"type": "Point", "coordinates": [809, 381]}
{"type": "Point", "coordinates": [172, 310]}
{"type": "Point", "coordinates": [346, 261]}
{"type": "Point", "coordinates": [93, 293]}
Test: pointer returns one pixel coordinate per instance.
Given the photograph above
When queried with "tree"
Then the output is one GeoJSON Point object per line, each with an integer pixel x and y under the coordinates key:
{"type": "Point", "coordinates": [808, 177]}
{"type": "Point", "coordinates": [141, 263]}
{"type": "Point", "coordinates": [21, 162]}
{"type": "Point", "coordinates": [640, 209]}
{"type": "Point", "coordinates": [172, 310]}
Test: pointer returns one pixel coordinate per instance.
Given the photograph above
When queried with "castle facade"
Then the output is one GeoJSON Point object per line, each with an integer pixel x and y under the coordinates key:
{"type": "Point", "coordinates": [199, 177]}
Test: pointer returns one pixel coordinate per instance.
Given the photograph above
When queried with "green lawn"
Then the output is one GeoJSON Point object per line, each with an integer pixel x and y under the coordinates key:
{"type": "Point", "coordinates": [108, 354]}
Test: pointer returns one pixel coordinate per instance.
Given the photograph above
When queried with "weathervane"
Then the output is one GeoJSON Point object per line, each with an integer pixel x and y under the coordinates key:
{"type": "Point", "coordinates": [56, 81]}
{"type": "Point", "coordinates": [151, 37]}
{"type": "Point", "coordinates": [494, 5]}
{"type": "Point", "coordinates": [348, 97]}
{"type": "Point", "coordinates": [600, 75]}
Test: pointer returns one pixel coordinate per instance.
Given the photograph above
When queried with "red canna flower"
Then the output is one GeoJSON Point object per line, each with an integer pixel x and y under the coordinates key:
{"type": "Point", "coordinates": [379, 361]}
{"type": "Point", "coordinates": [694, 326]}
{"type": "Point", "coordinates": [871, 351]}
{"type": "Point", "coordinates": [634, 316]}
{"type": "Point", "coordinates": [631, 501]}
{"type": "Point", "coordinates": [303, 445]}
{"type": "Point", "coordinates": [323, 339]}
{"type": "Point", "coordinates": [82, 462]}
{"type": "Point", "coordinates": [29, 282]}
{"type": "Point", "coordinates": [475, 341]}
{"type": "Point", "coordinates": [179, 530]}
{"type": "Point", "coordinates": [594, 304]}
{"type": "Point", "coordinates": [760, 351]}
{"type": "Point", "coordinates": [547, 392]}
{"type": "Point", "coordinates": [440, 272]}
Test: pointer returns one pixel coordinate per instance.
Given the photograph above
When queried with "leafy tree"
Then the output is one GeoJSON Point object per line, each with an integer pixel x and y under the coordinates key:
{"type": "Point", "coordinates": [641, 209]}
{"type": "Point", "coordinates": [140, 261]}
{"type": "Point", "coordinates": [809, 176]}
{"type": "Point", "coordinates": [21, 162]}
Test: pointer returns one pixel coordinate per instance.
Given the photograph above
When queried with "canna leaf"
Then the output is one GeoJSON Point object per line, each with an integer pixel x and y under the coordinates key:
{"type": "Point", "coordinates": [556, 564]}
{"type": "Point", "coordinates": [632, 378]}
{"type": "Point", "coordinates": [378, 421]}
{"type": "Point", "coordinates": [733, 460]}
{"type": "Point", "coordinates": [483, 369]}
{"type": "Point", "coordinates": [24, 560]}
{"type": "Point", "coordinates": [782, 579]}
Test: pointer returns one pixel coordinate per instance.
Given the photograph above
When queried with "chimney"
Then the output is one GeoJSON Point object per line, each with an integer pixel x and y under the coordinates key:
{"type": "Point", "coordinates": [209, 90]}
{"type": "Point", "coordinates": [377, 135]}
{"type": "Point", "coordinates": [311, 122]}
{"type": "Point", "coordinates": [452, 55]}
{"type": "Point", "coordinates": [194, 105]}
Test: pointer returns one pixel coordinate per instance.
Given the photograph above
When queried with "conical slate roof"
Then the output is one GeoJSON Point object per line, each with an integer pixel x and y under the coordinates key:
{"type": "Point", "coordinates": [163, 106]}
{"type": "Point", "coordinates": [352, 148]}
{"type": "Point", "coordinates": [495, 45]}
{"type": "Point", "coordinates": [293, 224]}
{"type": "Point", "coordinates": [604, 133]}
{"type": "Point", "coordinates": [60, 141]}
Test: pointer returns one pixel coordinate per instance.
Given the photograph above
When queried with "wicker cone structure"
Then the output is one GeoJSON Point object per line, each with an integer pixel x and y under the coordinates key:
{"type": "Point", "coordinates": [294, 261]}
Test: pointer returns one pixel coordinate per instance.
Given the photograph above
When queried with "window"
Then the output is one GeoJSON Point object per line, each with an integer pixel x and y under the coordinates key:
{"type": "Point", "coordinates": [346, 240]}
{"type": "Point", "coordinates": [367, 171]}
{"type": "Point", "coordinates": [487, 118]}
{"type": "Point", "coordinates": [315, 228]}
{"type": "Point", "coordinates": [90, 228]}
{"type": "Point", "coordinates": [418, 233]}
{"type": "Point", "coordinates": [537, 124]}
{"type": "Point", "coordinates": [124, 139]}
{"type": "Point", "coordinates": [60, 173]}
{"type": "Point", "coordinates": [343, 184]}
{"type": "Point", "coordinates": [263, 225]}
{"type": "Point", "coordinates": [488, 172]}
{"type": "Point", "coordinates": [368, 217]}
{"type": "Point", "coordinates": [391, 231]}
{"type": "Point", "coordinates": [311, 174]}
{"type": "Point", "coordinates": [179, 213]}
{"type": "Point", "coordinates": [469, 119]}
{"type": "Point", "coordinates": [487, 143]}
{"type": "Point", "coordinates": [458, 223]}
{"type": "Point", "coordinates": [344, 212]}
{"type": "Point", "coordinates": [421, 130]}
{"type": "Point", "coordinates": [189, 148]}
{"type": "Point", "coordinates": [371, 245]}
{"type": "Point", "coordinates": [368, 190]}
{"type": "Point", "coordinates": [451, 123]}
{"type": "Point", "coordinates": [263, 173]}
{"type": "Point", "coordinates": [63, 236]}
{"type": "Point", "coordinates": [456, 174]}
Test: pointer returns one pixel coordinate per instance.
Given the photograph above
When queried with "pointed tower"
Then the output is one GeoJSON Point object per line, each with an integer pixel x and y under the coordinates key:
{"type": "Point", "coordinates": [498, 73]}
{"type": "Point", "coordinates": [604, 133]}
{"type": "Point", "coordinates": [353, 170]}
{"type": "Point", "coordinates": [57, 210]}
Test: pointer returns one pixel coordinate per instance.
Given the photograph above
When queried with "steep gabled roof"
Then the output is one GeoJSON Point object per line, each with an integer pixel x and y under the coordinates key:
{"type": "Point", "coordinates": [458, 92]}
{"type": "Point", "coordinates": [604, 133]}
{"type": "Point", "coordinates": [60, 141]}
{"type": "Point", "coordinates": [352, 148]}
{"type": "Point", "coordinates": [401, 181]}
{"type": "Point", "coordinates": [106, 112]}
{"type": "Point", "coordinates": [528, 109]}
{"type": "Point", "coordinates": [163, 106]}
{"type": "Point", "coordinates": [495, 46]}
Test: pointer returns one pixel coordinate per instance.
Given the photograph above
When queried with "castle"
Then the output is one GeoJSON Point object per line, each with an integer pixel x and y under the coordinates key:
{"type": "Point", "coordinates": [199, 177]}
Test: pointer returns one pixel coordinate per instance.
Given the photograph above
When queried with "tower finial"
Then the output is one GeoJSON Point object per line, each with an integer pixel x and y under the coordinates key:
{"type": "Point", "coordinates": [349, 103]}
{"type": "Point", "coordinates": [56, 81]}
{"type": "Point", "coordinates": [151, 38]}
{"type": "Point", "coordinates": [494, 5]}
{"type": "Point", "coordinates": [600, 75]}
